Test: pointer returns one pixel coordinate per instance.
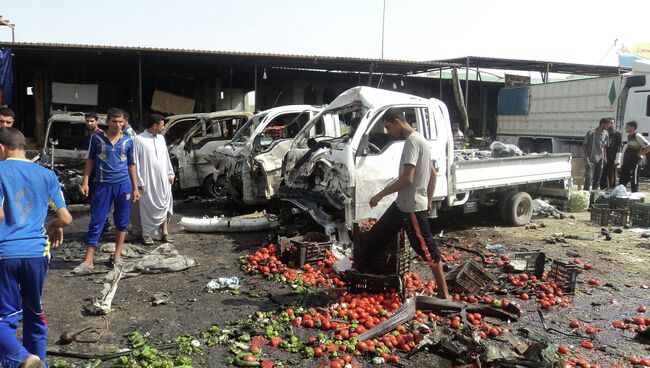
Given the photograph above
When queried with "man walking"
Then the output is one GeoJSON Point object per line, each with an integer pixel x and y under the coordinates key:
{"type": "Point", "coordinates": [608, 178]}
{"type": "Point", "coordinates": [637, 147]}
{"type": "Point", "coordinates": [155, 176]}
{"type": "Point", "coordinates": [111, 157]}
{"type": "Point", "coordinates": [414, 187]}
{"type": "Point", "coordinates": [26, 189]}
{"type": "Point", "coordinates": [595, 154]}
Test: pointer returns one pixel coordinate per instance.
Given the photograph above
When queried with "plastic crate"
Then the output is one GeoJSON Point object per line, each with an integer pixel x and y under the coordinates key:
{"type": "Point", "coordinates": [535, 262]}
{"type": "Point", "coordinates": [470, 276]}
{"type": "Point", "coordinates": [603, 215]}
{"type": "Point", "coordinates": [395, 260]}
{"type": "Point", "coordinates": [566, 274]}
{"type": "Point", "coordinates": [624, 203]}
{"type": "Point", "coordinates": [362, 282]}
{"type": "Point", "coordinates": [640, 214]}
{"type": "Point", "coordinates": [309, 248]}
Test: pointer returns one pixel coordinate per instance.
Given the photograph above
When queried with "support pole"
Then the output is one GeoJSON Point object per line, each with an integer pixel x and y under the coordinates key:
{"type": "Point", "coordinates": [140, 122]}
{"type": "Point", "coordinates": [467, 84]}
{"type": "Point", "coordinates": [255, 78]}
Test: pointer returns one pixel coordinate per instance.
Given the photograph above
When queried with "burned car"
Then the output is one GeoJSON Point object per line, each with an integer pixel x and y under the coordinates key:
{"type": "Point", "coordinates": [249, 166]}
{"type": "Point", "coordinates": [66, 148]}
{"type": "Point", "coordinates": [191, 138]}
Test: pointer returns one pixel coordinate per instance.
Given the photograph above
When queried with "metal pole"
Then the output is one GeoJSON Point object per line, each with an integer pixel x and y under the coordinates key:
{"type": "Point", "coordinates": [440, 84]}
{"type": "Point", "coordinates": [383, 22]}
{"type": "Point", "coordinates": [467, 83]}
{"type": "Point", "coordinates": [140, 89]}
{"type": "Point", "coordinates": [255, 78]}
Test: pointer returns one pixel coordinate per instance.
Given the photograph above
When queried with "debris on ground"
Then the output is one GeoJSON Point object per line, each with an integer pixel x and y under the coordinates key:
{"type": "Point", "coordinates": [256, 221]}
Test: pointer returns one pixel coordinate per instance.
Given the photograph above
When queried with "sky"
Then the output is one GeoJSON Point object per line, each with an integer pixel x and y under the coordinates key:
{"type": "Point", "coordinates": [572, 31]}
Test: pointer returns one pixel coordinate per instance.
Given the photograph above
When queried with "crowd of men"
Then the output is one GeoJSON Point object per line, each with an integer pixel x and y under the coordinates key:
{"type": "Point", "coordinates": [601, 147]}
{"type": "Point", "coordinates": [129, 172]}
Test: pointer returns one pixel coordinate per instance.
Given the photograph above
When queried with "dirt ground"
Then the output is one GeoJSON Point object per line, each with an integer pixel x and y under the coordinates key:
{"type": "Point", "coordinates": [190, 309]}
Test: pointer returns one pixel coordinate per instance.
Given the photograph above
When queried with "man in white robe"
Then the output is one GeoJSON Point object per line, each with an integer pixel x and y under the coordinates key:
{"type": "Point", "coordinates": [156, 176]}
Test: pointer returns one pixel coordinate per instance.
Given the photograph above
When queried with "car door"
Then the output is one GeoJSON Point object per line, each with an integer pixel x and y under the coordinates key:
{"type": "Point", "coordinates": [377, 162]}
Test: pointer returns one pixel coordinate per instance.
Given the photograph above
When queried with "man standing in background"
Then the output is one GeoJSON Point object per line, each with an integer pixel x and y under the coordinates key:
{"type": "Point", "coordinates": [155, 177]}
{"type": "Point", "coordinates": [595, 154]}
{"type": "Point", "coordinates": [608, 178]}
{"type": "Point", "coordinates": [7, 117]}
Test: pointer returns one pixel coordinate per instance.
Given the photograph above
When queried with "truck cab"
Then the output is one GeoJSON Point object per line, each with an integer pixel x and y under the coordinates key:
{"type": "Point", "coordinates": [192, 138]}
{"type": "Point", "coordinates": [248, 168]}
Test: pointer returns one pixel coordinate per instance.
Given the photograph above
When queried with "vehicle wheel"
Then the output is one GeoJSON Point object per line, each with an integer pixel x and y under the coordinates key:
{"type": "Point", "coordinates": [519, 209]}
{"type": "Point", "coordinates": [502, 204]}
{"type": "Point", "coordinates": [526, 146]}
{"type": "Point", "coordinates": [545, 146]}
{"type": "Point", "coordinates": [213, 188]}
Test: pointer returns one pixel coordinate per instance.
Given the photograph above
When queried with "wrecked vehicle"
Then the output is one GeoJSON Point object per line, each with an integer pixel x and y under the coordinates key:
{"type": "Point", "coordinates": [248, 167]}
{"type": "Point", "coordinates": [192, 137]}
{"type": "Point", "coordinates": [333, 177]}
{"type": "Point", "coordinates": [65, 150]}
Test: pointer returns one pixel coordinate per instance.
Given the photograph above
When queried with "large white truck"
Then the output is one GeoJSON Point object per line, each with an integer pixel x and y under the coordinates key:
{"type": "Point", "coordinates": [332, 178]}
{"type": "Point", "coordinates": [554, 117]}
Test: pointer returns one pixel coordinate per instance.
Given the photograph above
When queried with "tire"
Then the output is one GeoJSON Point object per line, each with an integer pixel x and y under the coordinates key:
{"type": "Point", "coordinates": [519, 209]}
{"type": "Point", "coordinates": [213, 188]}
{"type": "Point", "coordinates": [502, 204]}
{"type": "Point", "coordinates": [526, 146]}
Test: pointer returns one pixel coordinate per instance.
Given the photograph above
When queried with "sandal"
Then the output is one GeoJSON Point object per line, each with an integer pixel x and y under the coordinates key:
{"type": "Point", "coordinates": [147, 240]}
{"type": "Point", "coordinates": [82, 269]}
{"type": "Point", "coordinates": [116, 262]}
{"type": "Point", "coordinates": [166, 238]}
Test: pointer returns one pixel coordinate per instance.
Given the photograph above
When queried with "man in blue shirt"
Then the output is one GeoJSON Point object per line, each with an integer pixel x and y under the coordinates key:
{"type": "Point", "coordinates": [26, 189]}
{"type": "Point", "coordinates": [111, 156]}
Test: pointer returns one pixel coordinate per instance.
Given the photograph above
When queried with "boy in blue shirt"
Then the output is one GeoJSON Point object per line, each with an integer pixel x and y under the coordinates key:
{"type": "Point", "coordinates": [26, 189]}
{"type": "Point", "coordinates": [111, 156]}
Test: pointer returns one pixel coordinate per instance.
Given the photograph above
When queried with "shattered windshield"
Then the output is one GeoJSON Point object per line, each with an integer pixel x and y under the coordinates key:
{"type": "Point", "coordinates": [244, 133]}
{"type": "Point", "coordinates": [336, 127]}
{"type": "Point", "coordinates": [70, 135]}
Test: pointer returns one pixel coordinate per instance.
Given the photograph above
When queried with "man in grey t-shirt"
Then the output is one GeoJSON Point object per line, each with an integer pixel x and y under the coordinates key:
{"type": "Point", "coordinates": [594, 149]}
{"type": "Point", "coordinates": [414, 187]}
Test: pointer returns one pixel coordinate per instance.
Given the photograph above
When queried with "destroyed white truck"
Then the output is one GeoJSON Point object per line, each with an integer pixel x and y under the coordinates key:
{"type": "Point", "coordinates": [191, 138]}
{"type": "Point", "coordinates": [332, 178]}
{"type": "Point", "coordinates": [554, 117]}
{"type": "Point", "coordinates": [248, 168]}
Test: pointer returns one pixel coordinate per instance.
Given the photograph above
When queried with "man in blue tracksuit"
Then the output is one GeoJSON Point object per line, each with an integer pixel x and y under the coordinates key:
{"type": "Point", "coordinates": [111, 156]}
{"type": "Point", "coordinates": [26, 189]}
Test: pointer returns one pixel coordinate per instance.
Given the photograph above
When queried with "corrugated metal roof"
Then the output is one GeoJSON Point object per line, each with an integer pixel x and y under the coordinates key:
{"type": "Point", "coordinates": [313, 61]}
{"type": "Point", "coordinates": [535, 65]}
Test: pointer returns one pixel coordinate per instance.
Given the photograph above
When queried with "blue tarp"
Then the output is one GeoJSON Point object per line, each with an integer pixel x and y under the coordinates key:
{"type": "Point", "coordinates": [513, 101]}
{"type": "Point", "coordinates": [6, 77]}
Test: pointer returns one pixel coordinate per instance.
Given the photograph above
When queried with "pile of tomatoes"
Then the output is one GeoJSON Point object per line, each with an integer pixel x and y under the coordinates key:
{"type": "Point", "coordinates": [549, 294]}
{"type": "Point", "coordinates": [266, 262]}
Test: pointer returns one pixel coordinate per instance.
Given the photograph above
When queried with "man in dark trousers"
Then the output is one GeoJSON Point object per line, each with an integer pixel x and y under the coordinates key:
{"type": "Point", "coordinates": [637, 147]}
{"type": "Point", "coordinates": [608, 178]}
{"type": "Point", "coordinates": [414, 187]}
{"type": "Point", "coordinates": [595, 154]}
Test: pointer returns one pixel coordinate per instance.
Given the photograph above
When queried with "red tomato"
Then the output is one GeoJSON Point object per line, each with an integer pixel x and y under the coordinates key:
{"type": "Point", "coordinates": [642, 309]}
{"type": "Point", "coordinates": [590, 330]}
{"type": "Point", "coordinates": [250, 358]}
{"type": "Point", "coordinates": [587, 344]}
{"type": "Point", "coordinates": [574, 324]}
{"type": "Point", "coordinates": [563, 350]}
